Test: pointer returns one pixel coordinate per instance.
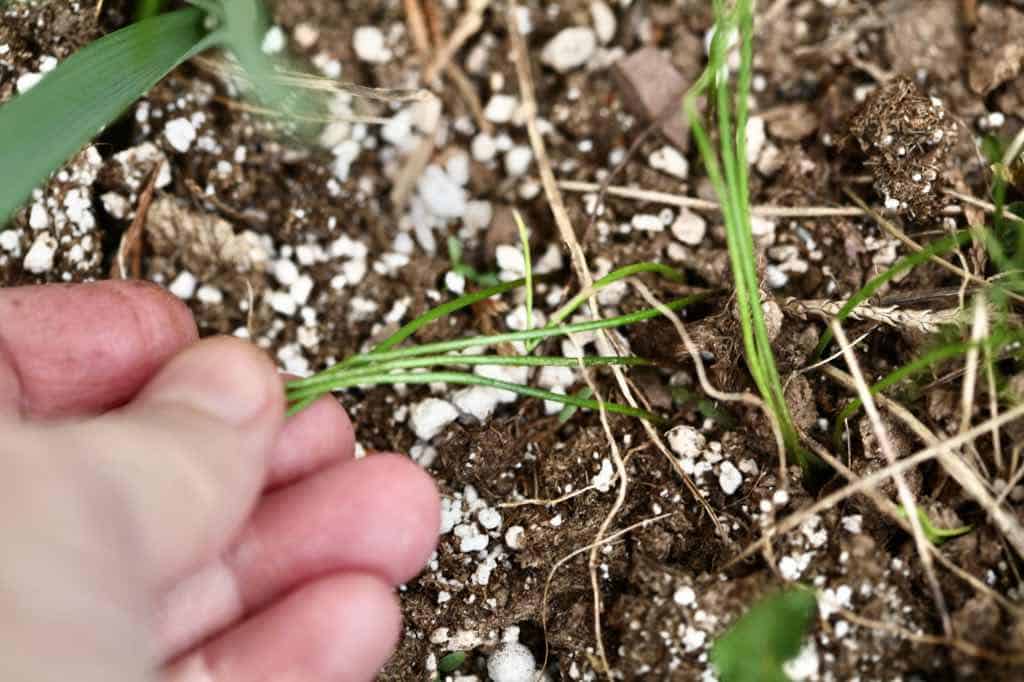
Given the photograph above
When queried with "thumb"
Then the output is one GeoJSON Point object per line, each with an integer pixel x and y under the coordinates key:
{"type": "Point", "coordinates": [182, 464]}
{"type": "Point", "coordinates": [98, 515]}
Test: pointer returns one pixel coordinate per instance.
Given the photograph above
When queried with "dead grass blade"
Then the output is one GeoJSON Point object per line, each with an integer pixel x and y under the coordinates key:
{"type": "Point", "coordinates": [905, 495]}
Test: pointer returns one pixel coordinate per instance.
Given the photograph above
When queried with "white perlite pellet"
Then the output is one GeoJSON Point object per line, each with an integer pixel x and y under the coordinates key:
{"type": "Point", "coordinates": [368, 42]}
{"type": "Point", "coordinates": [569, 49]}
{"type": "Point", "coordinates": [511, 662]}
{"type": "Point", "coordinates": [39, 258]}
{"type": "Point", "coordinates": [180, 134]}
{"type": "Point", "coordinates": [184, 285]}
{"type": "Point", "coordinates": [429, 417]}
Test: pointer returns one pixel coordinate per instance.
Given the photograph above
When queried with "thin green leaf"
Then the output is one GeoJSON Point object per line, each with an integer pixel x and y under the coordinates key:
{"type": "Point", "coordinates": [757, 646]}
{"type": "Point", "coordinates": [463, 378]}
{"type": "Point", "coordinates": [569, 410]}
{"type": "Point", "coordinates": [935, 535]}
{"type": "Point", "coordinates": [303, 387]}
{"type": "Point", "coordinates": [42, 128]}
{"type": "Point", "coordinates": [935, 248]}
{"type": "Point", "coordinates": [579, 299]}
{"type": "Point", "coordinates": [508, 337]}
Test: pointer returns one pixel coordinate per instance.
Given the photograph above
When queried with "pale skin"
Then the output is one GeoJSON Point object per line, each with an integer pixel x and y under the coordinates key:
{"type": "Point", "coordinates": [162, 520]}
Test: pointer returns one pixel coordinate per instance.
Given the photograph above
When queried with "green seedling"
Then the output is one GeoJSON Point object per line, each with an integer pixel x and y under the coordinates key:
{"type": "Point", "coordinates": [450, 663]}
{"type": "Point", "coordinates": [728, 172]}
{"type": "Point", "coordinates": [757, 646]}
{"type": "Point", "coordinates": [937, 536]}
{"type": "Point", "coordinates": [439, 362]}
{"type": "Point", "coordinates": [455, 253]}
{"type": "Point", "coordinates": [569, 410]}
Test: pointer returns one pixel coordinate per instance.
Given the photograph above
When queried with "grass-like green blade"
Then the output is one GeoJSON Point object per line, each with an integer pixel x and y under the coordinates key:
{"type": "Point", "coordinates": [42, 128]}
{"type": "Point", "coordinates": [302, 386]}
{"type": "Point", "coordinates": [997, 339]}
{"type": "Point", "coordinates": [936, 248]}
{"type": "Point", "coordinates": [464, 378]}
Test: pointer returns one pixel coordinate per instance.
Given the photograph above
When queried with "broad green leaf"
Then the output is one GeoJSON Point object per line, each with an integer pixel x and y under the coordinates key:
{"type": "Point", "coordinates": [42, 128]}
{"type": "Point", "coordinates": [755, 648]}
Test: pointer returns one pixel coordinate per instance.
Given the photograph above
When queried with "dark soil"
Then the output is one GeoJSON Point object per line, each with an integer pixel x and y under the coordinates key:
{"type": "Point", "coordinates": [884, 100]}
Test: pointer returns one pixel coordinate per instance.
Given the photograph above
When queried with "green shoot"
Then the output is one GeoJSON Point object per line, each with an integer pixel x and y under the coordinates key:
{"type": "Point", "coordinates": [936, 248]}
{"type": "Point", "coordinates": [433, 362]}
{"type": "Point", "coordinates": [575, 302]}
{"type": "Point", "coordinates": [937, 536]}
{"type": "Point", "coordinates": [450, 663]}
{"type": "Point", "coordinates": [569, 410]}
{"type": "Point", "coordinates": [757, 646]}
{"type": "Point", "coordinates": [727, 171]}
{"type": "Point", "coordinates": [997, 339]}
{"type": "Point", "coordinates": [484, 279]}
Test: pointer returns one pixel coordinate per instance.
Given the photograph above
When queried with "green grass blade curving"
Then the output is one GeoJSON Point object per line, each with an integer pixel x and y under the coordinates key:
{"type": "Point", "coordinates": [304, 386]}
{"type": "Point", "coordinates": [935, 248]}
{"type": "Point", "coordinates": [464, 378]}
{"type": "Point", "coordinates": [44, 127]}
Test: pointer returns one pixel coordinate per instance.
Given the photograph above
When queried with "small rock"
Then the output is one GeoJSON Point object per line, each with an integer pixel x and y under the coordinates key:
{"type": "Point", "coordinates": [650, 84]}
{"type": "Point", "coordinates": [646, 222]}
{"type": "Point", "coordinates": [442, 195]}
{"type": "Point", "coordinates": [518, 160]}
{"type": "Point", "coordinates": [38, 219]}
{"type": "Point", "coordinates": [729, 478]}
{"type": "Point", "coordinates": [477, 401]}
{"type": "Point", "coordinates": [184, 285]}
{"type": "Point", "coordinates": [684, 596]}
{"type": "Point", "coordinates": [501, 108]}
{"type": "Point", "coordinates": [27, 81]}
{"type": "Point", "coordinates": [273, 41]}
{"type": "Point", "coordinates": [514, 537]}
{"type": "Point", "coordinates": [570, 48]}
{"type": "Point", "coordinates": [511, 259]}
{"type": "Point", "coordinates": [483, 148]}
{"type": "Point", "coordinates": [489, 518]}
{"type": "Point", "coordinates": [686, 441]}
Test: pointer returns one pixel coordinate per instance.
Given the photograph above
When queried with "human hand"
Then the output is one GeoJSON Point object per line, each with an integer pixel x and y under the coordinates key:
{"type": "Point", "coordinates": [159, 518]}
